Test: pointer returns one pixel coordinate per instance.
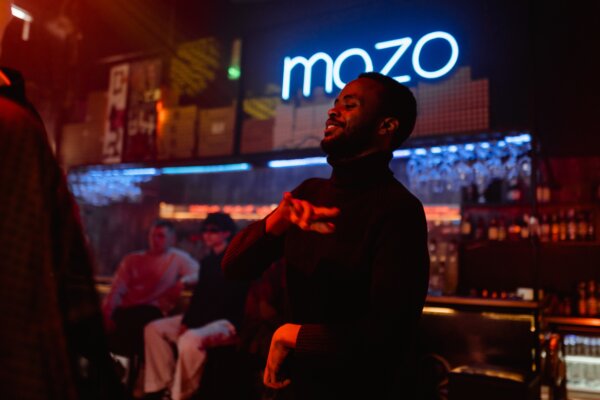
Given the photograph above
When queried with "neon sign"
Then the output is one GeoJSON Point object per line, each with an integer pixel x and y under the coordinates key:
{"type": "Point", "coordinates": [333, 68]}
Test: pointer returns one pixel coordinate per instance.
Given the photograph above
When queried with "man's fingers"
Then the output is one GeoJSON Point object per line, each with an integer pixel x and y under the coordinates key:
{"type": "Point", "coordinates": [322, 227]}
{"type": "Point", "coordinates": [300, 214]}
{"type": "Point", "coordinates": [306, 215]}
{"type": "Point", "coordinates": [325, 212]}
{"type": "Point", "coordinates": [270, 380]}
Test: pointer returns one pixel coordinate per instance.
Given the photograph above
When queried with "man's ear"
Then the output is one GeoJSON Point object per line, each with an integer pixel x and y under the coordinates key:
{"type": "Point", "coordinates": [388, 125]}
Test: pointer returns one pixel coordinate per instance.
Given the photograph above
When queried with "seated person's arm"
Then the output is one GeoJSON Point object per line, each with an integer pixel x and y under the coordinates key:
{"type": "Point", "coordinates": [113, 299]}
{"type": "Point", "coordinates": [190, 272]}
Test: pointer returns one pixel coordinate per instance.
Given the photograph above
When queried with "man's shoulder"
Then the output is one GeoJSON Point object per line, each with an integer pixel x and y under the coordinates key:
{"type": "Point", "coordinates": [16, 118]}
{"type": "Point", "coordinates": [134, 255]}
{"type": "Point", "coordinates": [309, 185]}
{"type": "Point", "coordinates": [397, 196]}
{"type": "Point", "coordinates": [180, 254]}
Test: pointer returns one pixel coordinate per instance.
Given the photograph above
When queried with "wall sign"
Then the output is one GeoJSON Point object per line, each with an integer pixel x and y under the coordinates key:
{"type": "Point", "coordinates": [333, 67]}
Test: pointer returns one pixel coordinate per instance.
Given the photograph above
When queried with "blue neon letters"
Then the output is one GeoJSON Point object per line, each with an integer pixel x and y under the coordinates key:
{"type": "Point", "coordinates": [332, 68]}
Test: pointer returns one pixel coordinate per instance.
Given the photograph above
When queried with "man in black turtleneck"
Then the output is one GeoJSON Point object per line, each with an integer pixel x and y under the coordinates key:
{"type": "Point", "coordinates": [355, 247]}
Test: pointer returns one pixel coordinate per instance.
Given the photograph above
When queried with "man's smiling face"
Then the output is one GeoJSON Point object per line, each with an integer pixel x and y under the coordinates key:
{"type": "Point", "coordinates": [354, 119]}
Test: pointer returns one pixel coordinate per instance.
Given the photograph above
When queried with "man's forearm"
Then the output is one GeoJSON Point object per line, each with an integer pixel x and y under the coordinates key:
{"type": "Point", "coordinates": [287, 335]}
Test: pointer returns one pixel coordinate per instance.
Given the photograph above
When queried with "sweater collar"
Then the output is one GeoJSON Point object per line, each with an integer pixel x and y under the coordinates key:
{"type": "Point", "coordinates": [361, 171]}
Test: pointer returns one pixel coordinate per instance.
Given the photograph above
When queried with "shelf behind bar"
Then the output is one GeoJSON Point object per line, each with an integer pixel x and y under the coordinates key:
{"type": "Point", "coordinates": [574, 321]}
{"type": "Point", "coordinates": [472, 301]}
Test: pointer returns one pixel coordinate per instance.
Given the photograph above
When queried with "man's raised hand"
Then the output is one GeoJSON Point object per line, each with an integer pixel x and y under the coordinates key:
{"type": "Point", "coordinates": [301, 213]}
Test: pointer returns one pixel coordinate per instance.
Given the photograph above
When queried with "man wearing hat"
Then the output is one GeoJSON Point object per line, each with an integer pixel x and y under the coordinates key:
{"type": "Point", "coordinates": [215, 313]}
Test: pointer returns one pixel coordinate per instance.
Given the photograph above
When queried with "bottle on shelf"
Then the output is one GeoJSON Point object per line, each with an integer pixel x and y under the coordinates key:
{"type": "Point", "coordinates": [501, 230]}
{"type": "Point", "coordinates": [543, 192]}
{"type": "Point", "coordinates": [571, 225]}
{"type": "Point", "coordinates": [566, 306]}
{"type": "Point", "coordinates": [555, 229]}
{"type": "Point", "coordinates": [514, 230]}
{"type": "Point", "coordinates": [582, 228]}
{"type": "Point", "coordinates": [493, 229]}
{"type": "Point", "coordinates": [514, 193]}
{"type": "Point", "coordinates": [451, 281]}
{"type": "Point", "coordinates": [435, 283]}
{"type": "Point", "coordinates": [592, 301]}
{"type": "Point", "coordinates": [562, 227]}
{"type": "Point", "coordinates": [597, 294]}
{"type": "Point", "coordinates": [534, 226]}
{"type": "Point", "coordinates": [466, 227]}
{"type": "Point", "coordinates": [545, 228]}
{"type": "Point", "coordinates": [525, 232]}
{"type": "Point", "coordinates": [581, 300]}
{"type": "Point", "coordinates": [591, 227]}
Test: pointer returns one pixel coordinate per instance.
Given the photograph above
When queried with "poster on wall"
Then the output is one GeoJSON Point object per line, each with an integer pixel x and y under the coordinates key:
{"type": "Point", "coordinates": [144, 93]}
{"type": "Point", "coordinates": [465, 62]}
{"type": "Point", "coordinates": [112, 149]}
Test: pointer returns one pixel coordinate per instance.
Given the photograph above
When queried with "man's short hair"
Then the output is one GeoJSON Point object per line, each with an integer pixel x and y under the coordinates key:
{"type": "Point", "coordinates": [163, 223]}
{"type": "Point", "coordinates": [222, 221]}
{"type": "Point", "coordinates": [399, 102]}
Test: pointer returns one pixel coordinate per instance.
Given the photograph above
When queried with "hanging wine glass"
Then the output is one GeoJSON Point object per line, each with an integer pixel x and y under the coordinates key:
{"type": "Point", "coordinates": [413, 171]}
{"type": "Point", "coordinates": [462, 165]}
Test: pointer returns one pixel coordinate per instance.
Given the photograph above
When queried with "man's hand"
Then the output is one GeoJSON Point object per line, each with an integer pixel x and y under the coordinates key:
{"type": "Point", "coordinates": [169, 300]}
{"type": "Point", "coordinates": [283, 341]}
{"type": "Point", "coordinates": [302, 214]}
{"type": "Point", "coordinates": [217, 333]}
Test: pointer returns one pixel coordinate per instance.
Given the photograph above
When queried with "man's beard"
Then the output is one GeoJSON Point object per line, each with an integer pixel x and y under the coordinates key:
{"type": "Point", "coordinates": [347, 145]}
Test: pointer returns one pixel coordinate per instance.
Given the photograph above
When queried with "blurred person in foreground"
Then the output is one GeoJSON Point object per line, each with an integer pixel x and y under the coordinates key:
{"type": "Point", "coordinates": [147, 286]}
{"type": "Point", "coordinates": [52, 343]}
{"type": "Point", "coordinates": [355, 250]}
{"type": "Point", "coordinates": [212, 319]}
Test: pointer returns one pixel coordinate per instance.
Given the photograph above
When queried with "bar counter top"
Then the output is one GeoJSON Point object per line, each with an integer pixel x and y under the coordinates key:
{"type": "Point", "coordinates": [480, 302]}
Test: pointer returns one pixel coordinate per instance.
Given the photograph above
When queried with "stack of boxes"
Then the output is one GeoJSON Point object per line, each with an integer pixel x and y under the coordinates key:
{"type": "Point", "coordinates": [176, 133]}
{"type": "Point", "coordinates": [82, 141]}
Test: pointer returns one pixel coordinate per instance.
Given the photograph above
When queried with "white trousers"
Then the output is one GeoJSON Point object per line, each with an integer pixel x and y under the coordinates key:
{"type": "Point", "coordinates": [180, 372]}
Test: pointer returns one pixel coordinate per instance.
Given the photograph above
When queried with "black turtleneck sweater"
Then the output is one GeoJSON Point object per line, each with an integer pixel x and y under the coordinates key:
{"type": "Point", "coordinates": [214, 297]}
{"type": "Point", "coordinates": [358, 292]}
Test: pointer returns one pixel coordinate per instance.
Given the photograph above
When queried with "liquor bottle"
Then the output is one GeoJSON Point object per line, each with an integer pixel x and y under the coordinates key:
{"type": "Point", "coordinates": [514, 194]}
{"type": "Point", "coordinates": [555, 229]}
{"type": "Point", "coordinates": [592, 302]}
{"type": "Point", "coordinates": [514, 230]}
{"type": "Point", "coordinates": [567, 308]}
{"type": "Point", "coordinates": [545, 229]}
{"type": "Point", "coordinates": [598, 300]}
{"type": "Point", "coordinates": [581, 300]}
{"type": "Point", "coordinates": [562, 227]}
{"type": "Point", "coordinates": [435, 280]}
{"type": "Point", "coordinates": [571, 225]}
{"type": "Point", "coordinates": [525, 232]}
{"type": "Point", "coordinates": [451, 281]}
{"type": "Point", "coordinates": [591, 227]}
{"type": "Point", "coordinates": [543, 192]}
{"type": "Point", "coordinates": [582, 228]}
{"type": "Point", "coordinates": [534, 226]}
{"type": "Point", "coordinates": [493, 230]}
{"type": "Point", "coordinates": [501, 230]}
{"type": "Point", "coordinates": [466, 227]}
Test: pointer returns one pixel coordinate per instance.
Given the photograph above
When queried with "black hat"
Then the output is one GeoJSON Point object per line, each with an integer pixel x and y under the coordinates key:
{"type": "Point", "coordinates": [222, 221]}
